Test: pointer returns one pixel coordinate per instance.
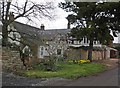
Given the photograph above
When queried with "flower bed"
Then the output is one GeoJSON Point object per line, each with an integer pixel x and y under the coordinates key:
{"type": "Point", "coordinates": [78, 61]}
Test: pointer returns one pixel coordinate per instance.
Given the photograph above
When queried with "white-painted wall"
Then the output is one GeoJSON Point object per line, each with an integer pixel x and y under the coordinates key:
{"type": "Point", "coordinates": [119, 38]}
{"type": "Point", "coordinates": [84, 42]}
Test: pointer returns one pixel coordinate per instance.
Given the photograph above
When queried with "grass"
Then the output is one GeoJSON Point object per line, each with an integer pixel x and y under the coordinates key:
{"type": "Point", "coordinates": [68, 71]}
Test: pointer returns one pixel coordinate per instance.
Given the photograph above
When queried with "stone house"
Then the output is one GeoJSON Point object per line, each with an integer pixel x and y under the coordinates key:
{"type": "Point", "coordinates": [45, 42]}
{"type": "Point", "coordinates": [42, 42]}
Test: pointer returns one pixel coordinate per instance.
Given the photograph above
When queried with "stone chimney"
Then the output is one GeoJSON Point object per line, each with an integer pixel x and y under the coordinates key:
{"type": "Point", "coordinates": [11, 16]}
{"type": "Point", "coordinates": [68, 25]}
{"type": "Point", "coordinates": [42, 27]}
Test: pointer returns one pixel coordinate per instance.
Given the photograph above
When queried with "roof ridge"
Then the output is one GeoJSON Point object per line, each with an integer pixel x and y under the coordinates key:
{"type": "Point", "coordinates": [39, 28]}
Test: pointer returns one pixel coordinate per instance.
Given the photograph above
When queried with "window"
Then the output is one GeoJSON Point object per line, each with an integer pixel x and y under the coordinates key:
{"type": "Point", "coordinates": [72, 41]}
{"type": "Point", "coordinates": [84, 40]}
{"type": "Point", "coordinates": [42, 50]}
{"type": "Point", "coordinates": [58, 51]}
{"type": "Point", "coordinates": [87, 40]}
{"type": "Point", "coordinates": [94, 42]}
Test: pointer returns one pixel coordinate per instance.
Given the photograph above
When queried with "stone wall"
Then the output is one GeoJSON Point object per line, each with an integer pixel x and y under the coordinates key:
{"type": "Point", "coordinates": [73, 54]}
{"type": "Point", "coordinates": [83, 54]}
{"type": "Point", "coordinates": [98, 55]}
{"type": "Point", "coordinates": [77, 54]}
{"type": "Point", "coordinates": [11, 60]}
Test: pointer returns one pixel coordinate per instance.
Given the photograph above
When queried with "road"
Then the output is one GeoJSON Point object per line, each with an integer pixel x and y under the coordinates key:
{"type": "Point", "coordinates": [108, 78]}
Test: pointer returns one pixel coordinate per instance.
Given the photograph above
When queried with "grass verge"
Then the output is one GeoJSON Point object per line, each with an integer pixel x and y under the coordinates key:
{"type": "Point", "coordinates": [68, 71]}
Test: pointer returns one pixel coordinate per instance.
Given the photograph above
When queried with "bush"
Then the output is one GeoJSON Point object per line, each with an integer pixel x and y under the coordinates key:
{"type": "Point", "coordinates": [48, 64]}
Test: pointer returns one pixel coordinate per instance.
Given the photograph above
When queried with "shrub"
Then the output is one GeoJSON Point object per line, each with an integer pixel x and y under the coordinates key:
{"type": "Point", "coordinates": [49, 64]}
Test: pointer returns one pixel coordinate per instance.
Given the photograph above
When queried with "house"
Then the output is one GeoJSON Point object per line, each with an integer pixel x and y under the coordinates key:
{"type": "Point", "coordinates": [45, 42]}
{"type": "Point", "coordinates": [42, 42]}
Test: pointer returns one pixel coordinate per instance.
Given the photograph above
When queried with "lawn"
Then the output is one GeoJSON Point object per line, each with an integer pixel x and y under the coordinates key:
{"type": "Point", "coordinates": [68, 71]}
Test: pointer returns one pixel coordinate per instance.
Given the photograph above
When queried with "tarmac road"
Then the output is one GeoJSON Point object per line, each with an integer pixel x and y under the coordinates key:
{"type": "Point", "coordinates": [108, 78]}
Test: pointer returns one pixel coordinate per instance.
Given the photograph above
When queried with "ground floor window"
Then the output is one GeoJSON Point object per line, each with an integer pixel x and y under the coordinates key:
{"type": "Point", "coordinates": [58, 51]}
{"type": "Point", "coordinates": [42, 49]}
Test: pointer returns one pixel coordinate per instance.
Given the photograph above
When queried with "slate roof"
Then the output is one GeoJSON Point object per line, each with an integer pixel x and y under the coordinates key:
{"type": "Point", "coordinates": [36, 34]}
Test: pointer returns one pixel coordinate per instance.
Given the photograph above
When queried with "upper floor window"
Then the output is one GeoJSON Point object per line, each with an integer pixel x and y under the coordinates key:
{"type": "Point", "coordinates": [94, 42]}
{"type": "Point", "coordinates": [84, 40]}
{"type": "Point", "coordinates": [72, 41]}
{"type": "Point", "coordinates": [87, 40]}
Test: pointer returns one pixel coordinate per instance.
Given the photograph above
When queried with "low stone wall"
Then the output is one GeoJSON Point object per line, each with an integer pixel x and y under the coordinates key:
{"type": "Point", "coordinates": [83, 54]}
{"type": "Point", "coordinates": [11, 60]}
{"type": "Point", "coordinates": [77, 54]}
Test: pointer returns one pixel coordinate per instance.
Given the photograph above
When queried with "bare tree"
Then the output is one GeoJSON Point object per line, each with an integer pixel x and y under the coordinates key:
{"type": "Point", "coordinates": [29, 10]}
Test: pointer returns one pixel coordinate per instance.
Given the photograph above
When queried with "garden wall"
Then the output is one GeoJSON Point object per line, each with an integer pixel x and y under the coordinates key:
{"type": "Point", "coordinates": [11, 60]}
{"type": "Point", "coordinates": [79, 53]}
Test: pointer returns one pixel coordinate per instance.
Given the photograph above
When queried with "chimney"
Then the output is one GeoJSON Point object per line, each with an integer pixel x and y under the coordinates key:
{"type": "Point", "coordinates": [11, 16]}
{"type": "Point", "coordinates": [42, 27]}
{"type": "Point", "coordinates": [68, 25]}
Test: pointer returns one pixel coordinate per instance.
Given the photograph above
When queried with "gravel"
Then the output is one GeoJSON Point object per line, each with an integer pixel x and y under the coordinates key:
{"type": "Point", "coordinates": [9, 79]}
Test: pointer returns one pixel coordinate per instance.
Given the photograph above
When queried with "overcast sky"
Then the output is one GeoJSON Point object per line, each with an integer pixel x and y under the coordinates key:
{"type": "Point", "coordinates": [59, 22]}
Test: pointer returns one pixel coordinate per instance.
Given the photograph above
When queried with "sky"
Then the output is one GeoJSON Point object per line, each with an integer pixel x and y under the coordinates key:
{"type": "Point", "coordinates": [60, 21]}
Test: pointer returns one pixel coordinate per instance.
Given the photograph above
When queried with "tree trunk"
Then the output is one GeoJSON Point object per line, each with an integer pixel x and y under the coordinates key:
{"type": "Point", "coordinates": [4, 35]}
{"type": "Point", "coordinates": [90, 50]}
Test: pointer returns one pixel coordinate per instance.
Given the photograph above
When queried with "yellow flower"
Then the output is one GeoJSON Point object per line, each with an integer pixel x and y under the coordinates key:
{"type": "Point", "coordinates": [70, 61]}
{"type": "Point", "coordinates": [78, 61]}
